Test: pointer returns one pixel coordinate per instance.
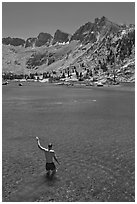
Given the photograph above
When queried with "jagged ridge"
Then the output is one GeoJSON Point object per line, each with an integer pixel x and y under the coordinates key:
{"type": "Point", "coordinates": [90, 47]}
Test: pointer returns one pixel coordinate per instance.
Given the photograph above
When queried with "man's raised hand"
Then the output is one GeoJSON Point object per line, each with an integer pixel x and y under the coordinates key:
{"type": "Point", "coordinates": [37, 138]}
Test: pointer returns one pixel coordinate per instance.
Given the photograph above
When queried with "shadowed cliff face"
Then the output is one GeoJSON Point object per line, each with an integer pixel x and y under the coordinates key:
{"type": "Point", "coordinates": [82, 32]}
{"type": "Point", "coordinates": [43, 39]}
{"type": "Point", "coordinates": [60, 37]}
{"type": "Point", "coordinates": [13, 41]}
{"type": "Point", "coordinates": [30, 42]}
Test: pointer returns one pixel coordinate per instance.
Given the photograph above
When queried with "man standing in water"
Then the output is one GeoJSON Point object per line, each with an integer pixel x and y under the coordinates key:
{"type": "Point", "coordinates": [49, 155]}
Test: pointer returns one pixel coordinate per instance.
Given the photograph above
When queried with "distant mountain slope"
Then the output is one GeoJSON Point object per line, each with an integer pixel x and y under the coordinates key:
{"type": "Point", "coordinates": [92, 32]}
{"type": "Point", "coordinates": [97, 46]}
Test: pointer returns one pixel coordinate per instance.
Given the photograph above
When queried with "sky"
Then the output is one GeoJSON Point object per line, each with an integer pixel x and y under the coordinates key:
{"type": "Point", "coordinates": [28, 19]}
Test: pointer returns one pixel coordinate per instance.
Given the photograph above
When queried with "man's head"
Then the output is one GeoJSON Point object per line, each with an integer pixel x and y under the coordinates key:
{"type": "Point", "coordinates": [49, 146]}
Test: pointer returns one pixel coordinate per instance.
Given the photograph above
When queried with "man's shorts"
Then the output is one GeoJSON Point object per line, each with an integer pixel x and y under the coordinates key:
{"type": "Point", "coordinates": [50, 166]}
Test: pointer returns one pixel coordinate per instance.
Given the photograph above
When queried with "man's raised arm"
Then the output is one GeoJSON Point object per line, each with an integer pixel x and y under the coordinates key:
{"type": "Point", "coordinates": [39, 145]}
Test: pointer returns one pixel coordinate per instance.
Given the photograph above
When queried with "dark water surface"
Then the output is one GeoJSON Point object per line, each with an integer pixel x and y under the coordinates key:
{"type": "Point", "coordinates": [93, 132]}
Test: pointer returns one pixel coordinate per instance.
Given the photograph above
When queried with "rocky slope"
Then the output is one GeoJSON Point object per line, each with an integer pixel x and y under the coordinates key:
{"type": "Point", "coordinates": [102, 47]}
